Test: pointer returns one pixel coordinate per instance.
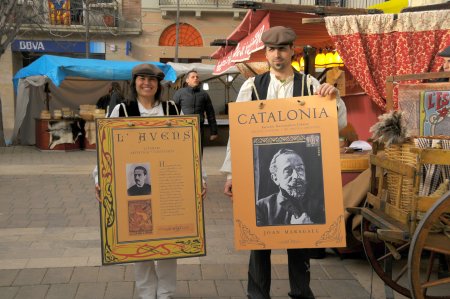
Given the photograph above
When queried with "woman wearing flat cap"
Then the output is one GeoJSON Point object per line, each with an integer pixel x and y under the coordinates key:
{"type": "Point", "coordinates": [154, 279]}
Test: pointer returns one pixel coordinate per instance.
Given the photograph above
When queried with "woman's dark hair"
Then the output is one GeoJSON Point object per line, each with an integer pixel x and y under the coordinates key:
{"type": "Point", "coordinates": [134, 93]}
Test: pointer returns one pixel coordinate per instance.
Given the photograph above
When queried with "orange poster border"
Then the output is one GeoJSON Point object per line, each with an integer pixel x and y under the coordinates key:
{"type": "Point", "coordinates": [275, 122]}
{"type": "Point", "coordinates": [115, 252]}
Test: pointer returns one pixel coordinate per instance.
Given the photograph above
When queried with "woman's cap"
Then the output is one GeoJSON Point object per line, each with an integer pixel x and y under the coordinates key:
{"type": "Point", "coordinates": [146, 69]}
{"type": "Point", "coordinates": [278, 36]}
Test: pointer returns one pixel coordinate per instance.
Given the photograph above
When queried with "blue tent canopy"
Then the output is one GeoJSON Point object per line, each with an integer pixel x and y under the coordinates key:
{"type": "Point", "coordinates": [57, 68]}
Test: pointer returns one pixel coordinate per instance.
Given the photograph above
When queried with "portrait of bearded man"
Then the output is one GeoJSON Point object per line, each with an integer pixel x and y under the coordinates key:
{"type": "Point", "coordinates": [292, 203]}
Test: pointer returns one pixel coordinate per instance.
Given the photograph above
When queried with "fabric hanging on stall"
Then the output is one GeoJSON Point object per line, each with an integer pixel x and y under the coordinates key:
{"type": "Point", "coordinates": [374, 47]}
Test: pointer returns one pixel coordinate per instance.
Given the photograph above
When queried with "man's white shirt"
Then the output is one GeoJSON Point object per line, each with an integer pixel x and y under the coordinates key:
{"type": "Point", "coordinates": [279, 90]}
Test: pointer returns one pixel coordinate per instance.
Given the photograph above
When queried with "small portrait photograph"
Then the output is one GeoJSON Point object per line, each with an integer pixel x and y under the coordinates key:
{"type": "Point", "coordinates": [140, 217]}
{"type": "Point", "coordinates": [288, 176]}
{"type": "Point", "coordinates": [138, 179]}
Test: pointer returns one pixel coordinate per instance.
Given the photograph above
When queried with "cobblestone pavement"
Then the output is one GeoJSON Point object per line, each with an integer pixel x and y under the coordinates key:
{"type": "Point", "coordinates": [50, 240]}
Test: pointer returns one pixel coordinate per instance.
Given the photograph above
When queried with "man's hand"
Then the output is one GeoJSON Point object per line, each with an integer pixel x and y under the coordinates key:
{"type": "Point", "coordinates": [213, 137]}
{"type": "Point", "coordinates": [204, 189]}
{"type": "Point", "coordinates": [326, 89]}
{"type": "Point", "coordinates": [97, 193]}
{"type": "Point", "coordinates": [228, 188]}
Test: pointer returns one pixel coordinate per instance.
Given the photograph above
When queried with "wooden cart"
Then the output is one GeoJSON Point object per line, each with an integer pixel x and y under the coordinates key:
{"type": "Point", "coordinates": [406, 235]}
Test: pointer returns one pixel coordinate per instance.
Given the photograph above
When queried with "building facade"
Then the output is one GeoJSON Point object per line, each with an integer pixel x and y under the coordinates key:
{"type": "Point", "coordinates": [137, 30]}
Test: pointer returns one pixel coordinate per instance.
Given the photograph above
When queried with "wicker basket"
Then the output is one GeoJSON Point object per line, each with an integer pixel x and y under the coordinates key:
{"type": "Point", "coordinates": [401, 189]}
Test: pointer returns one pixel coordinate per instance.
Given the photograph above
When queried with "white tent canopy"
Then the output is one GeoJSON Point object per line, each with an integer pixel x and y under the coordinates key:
{"type": "Point", "coordinates": [205, 71]}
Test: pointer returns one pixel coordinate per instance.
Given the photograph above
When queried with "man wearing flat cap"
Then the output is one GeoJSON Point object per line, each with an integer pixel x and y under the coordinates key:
{"type": "Point", "coordinates": [281, 81]}
{"type": "Point", "coordinates": [446, 55]}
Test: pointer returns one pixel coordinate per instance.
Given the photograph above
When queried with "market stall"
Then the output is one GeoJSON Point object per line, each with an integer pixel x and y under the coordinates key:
{"type": "Point", "coordinates": [54, 82]}
{"type": "Point", "coordinates": [69, 86]}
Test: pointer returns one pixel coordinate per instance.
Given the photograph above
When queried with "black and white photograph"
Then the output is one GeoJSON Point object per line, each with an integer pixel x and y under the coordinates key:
{"type": "Point", "coordinates": [138, 179]}
{"type": "Point", "coordinates": [288, 176]}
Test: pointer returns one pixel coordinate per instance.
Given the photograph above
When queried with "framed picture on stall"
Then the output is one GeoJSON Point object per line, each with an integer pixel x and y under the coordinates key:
{"type": "Point", "coordinates": [151, 188]}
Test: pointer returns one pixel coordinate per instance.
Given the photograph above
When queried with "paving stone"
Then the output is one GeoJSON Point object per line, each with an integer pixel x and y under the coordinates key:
{"type": "Point", "coordinates": [84, 274]}
{"type": "Point", "coordinates": [35, 292]}
{"type": "Point", "coordinates": [59, 291]}
{"type": "Point", "coordinates": [337, 272]}
{"type": "Point", "coordinates": [90, 290]}
{"type": "Point", "coordinates": [317, 288]}
{"type": "Point", "coordinates": [29, 277]}
{"type": "Point", "coordinates": [189, 272]}
{"type": "Point", "coordinates": [202, 288]}
{"type": "Point", "coordinates": [281, 271]}
{"type": "Point", "coordinates": [119, 290]}
{"type": "Point", "coordinates": [182, 289]}
{"type": "Point", "coordinates": [8, 292]}
{"type": "Point", "coordinates": [7, 277]}
{"type": "Point", "coordinates": [111, 273]}
{"type": "Point", "coordinates": [279, 287]}
{"type": "Point", "coordinates": [58, 275]}
{"type": "Point", "coordinates": [213, 272]}
{"type": "Point", "coordinates": [237, 271]}
{"type": "Point", "coordinates": [343, 288]}
{"type": "Point", "coordinates": [229, 288]}
{"type": "Point", "coordinates": [317, 272]}
{"type": "Point", "coordinates": [129, 273]}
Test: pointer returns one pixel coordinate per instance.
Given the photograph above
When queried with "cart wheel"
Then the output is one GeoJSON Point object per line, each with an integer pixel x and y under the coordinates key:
{"type": "Point", "coordinates": [430, 250]}
{"type": "Point", "coordinates": [380, 257]}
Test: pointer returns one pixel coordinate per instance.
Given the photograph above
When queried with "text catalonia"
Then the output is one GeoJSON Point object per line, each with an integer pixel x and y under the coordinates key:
{"type": "Point", "coordinates": [279, 116]}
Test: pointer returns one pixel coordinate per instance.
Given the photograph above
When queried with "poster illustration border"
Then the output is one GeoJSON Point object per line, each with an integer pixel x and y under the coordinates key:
{"type": "Point", "coordinates": [115, 252]}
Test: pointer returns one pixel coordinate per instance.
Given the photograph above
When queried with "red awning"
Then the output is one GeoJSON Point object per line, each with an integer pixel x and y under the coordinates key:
{"type": "Point", "coordinates": [248, 45]}
{"type": "Point", "coordinates": [248, 36]}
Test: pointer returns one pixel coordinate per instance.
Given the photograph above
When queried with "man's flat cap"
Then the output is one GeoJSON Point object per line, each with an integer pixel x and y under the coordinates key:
{"type": "Point", "coordinates": [445, 52]}
{"type": "Point", "coordinates": [278, 36]}
{"type": "Point", "coordinates": [147, 70]}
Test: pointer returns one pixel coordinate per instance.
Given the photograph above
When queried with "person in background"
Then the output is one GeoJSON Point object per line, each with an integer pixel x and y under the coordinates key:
{"type": "Point", "coordinates": [282, 81]}
{"type": "Point", "coordinates": [154, 279]}
{"type": "Point", "coordinates": [194, 100]}
{"type": "Point", "coordinates": [446, 55]}
{"type": "Point", "coordinates": [111, 99]}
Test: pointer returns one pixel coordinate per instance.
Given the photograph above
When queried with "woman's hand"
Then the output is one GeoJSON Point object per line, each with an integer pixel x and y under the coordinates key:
{"type": "Point", "coordinates": [204, 189]}
{"type": "Point", "coordinates": [97, 193]}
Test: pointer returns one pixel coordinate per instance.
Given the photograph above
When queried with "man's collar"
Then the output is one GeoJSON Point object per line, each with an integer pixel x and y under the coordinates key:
{"type": "Point", "coordinates": [287, 80]}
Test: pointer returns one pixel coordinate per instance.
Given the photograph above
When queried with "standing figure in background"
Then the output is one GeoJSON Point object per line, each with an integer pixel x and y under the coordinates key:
{"type": "Point", "coordinates": [194, 100]}
{"type": "Point", "coordinates": [111, 99]}
{"type": "Point", "coordinates": [446, 55]}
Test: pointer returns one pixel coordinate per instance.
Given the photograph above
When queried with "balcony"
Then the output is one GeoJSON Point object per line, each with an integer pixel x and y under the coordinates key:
{"type": "Point", "coordinates": [198, 7]}
{"type": "Point", "coordinates": [347, 3]}
{"type": "Point", "coordinates": [101, 16]}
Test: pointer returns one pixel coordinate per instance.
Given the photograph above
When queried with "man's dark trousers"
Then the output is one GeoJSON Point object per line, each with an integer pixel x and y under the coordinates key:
{"type": "Point", "coordinates": [259, 274]}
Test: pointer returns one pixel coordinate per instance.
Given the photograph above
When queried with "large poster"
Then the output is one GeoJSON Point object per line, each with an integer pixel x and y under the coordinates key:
{"type": "Point", "coordinates": [434, 113]}
{"type": "Point", "coordinates": [151, 184]}
{"type": "Point", "coordinates": [286, 174]}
